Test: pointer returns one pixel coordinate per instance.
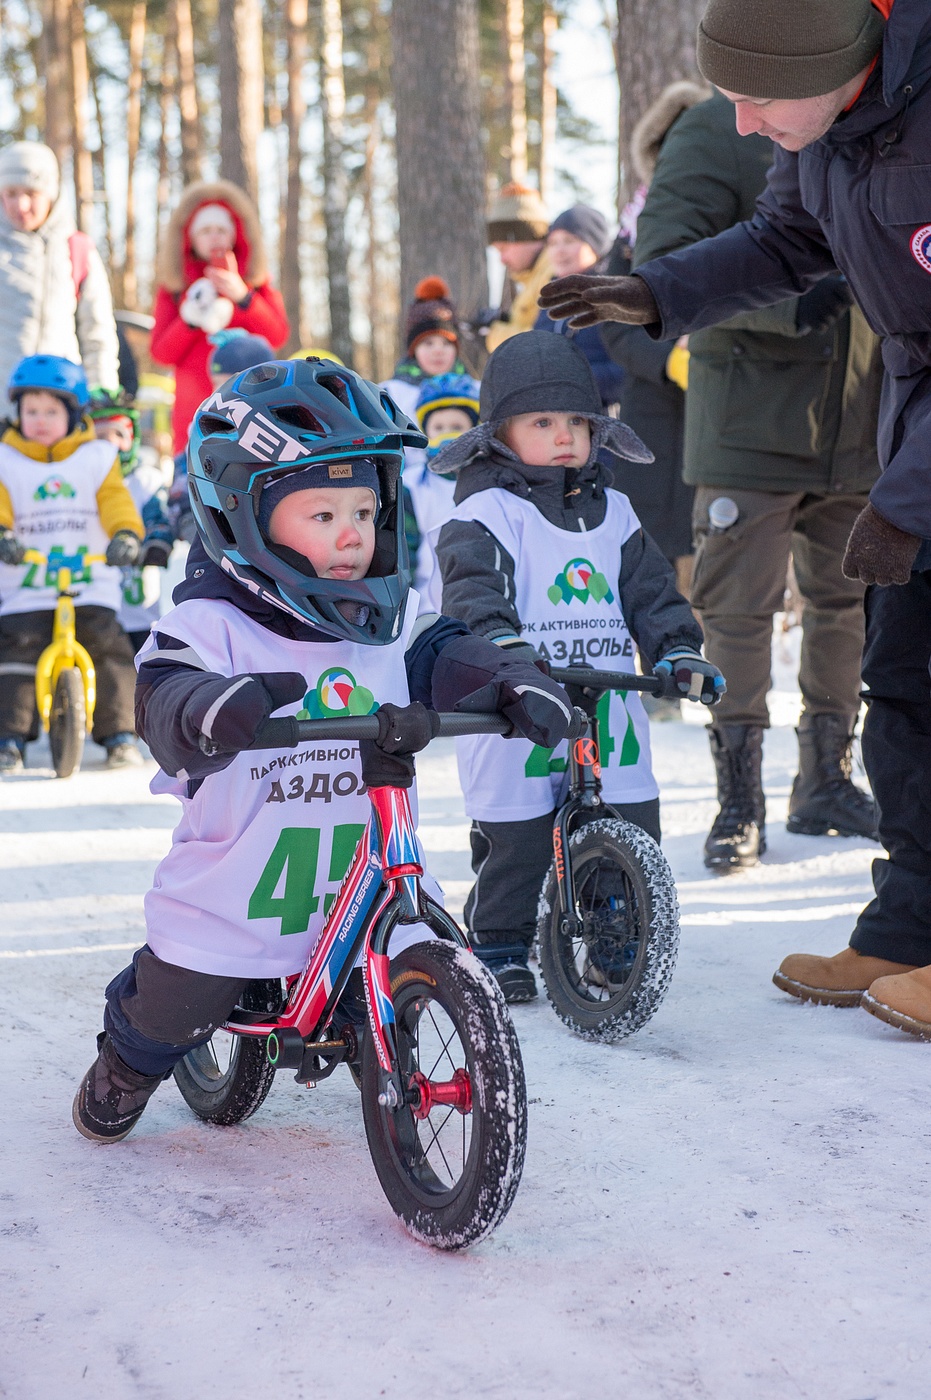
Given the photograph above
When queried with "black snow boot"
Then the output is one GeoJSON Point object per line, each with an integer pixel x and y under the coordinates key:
{"type": "Point", "coordinates": [824, 800]}
{"type": "Point", "coordinates": [110, 1101]}
{"type": "Point", "coordinates": [738, 837]}
{"type": "Point", "coordinates": [507, 963]}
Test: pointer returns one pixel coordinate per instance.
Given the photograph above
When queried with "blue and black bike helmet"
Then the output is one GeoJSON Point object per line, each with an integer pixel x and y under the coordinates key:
{"type": "Point", "coordinates": [55, 375]}
{"type": "Point", "coordinates": [273, 420]}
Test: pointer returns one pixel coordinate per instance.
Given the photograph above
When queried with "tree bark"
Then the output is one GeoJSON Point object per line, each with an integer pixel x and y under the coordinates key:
{"type": "Point", "coordinates": [99, 172]}
{"type": "Point", "coordinates": [441, 168]}
{"type": "Point", "coordinates": [130, 277]}
{"type": "Point", "coordinates": [56, 61]}
{"type": "Point", "coordinates": [83, 166]}
{"type": "Point", "coordinates": [166, 95]}
{"type": "Point", "coordinates": [655, 45]}
{"type": "Point", "coordinates": [191, 155]}
{"type": "Point", "coordinates": [547, 104]}
{"type": "Point", "coordinates": [296, 39]}
{"type": "Point", "coordinates": [517, 87]}
{"type": "Point", "coordinates": [240, 71]}
{"type": "Point", "coordinates": [335, 181]}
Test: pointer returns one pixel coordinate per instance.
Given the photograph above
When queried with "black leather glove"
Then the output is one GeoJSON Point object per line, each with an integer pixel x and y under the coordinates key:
{"type": "Point", "coordinates": [123, 549]}
{"type": "Point", "coordinates": [225, 713]}
{"type": "Point", "coordinates": [402, 731]}
{"type": "Point", "coordinates": [588, 300]}
{"type": "Point", "coordinates": [156, 553]}
{"type": "Point", "coordinates": [823, 305]}
{"type": "Point", "coordinates": [12, 551]}
{"type": "Point", "coordinates": [879, 552]}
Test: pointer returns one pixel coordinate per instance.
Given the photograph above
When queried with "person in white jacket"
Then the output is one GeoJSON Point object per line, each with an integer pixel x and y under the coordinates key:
{"type": "Point", "coordinates": [54, 294]}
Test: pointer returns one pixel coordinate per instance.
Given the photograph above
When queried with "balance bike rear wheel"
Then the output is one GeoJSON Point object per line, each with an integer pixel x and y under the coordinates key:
{"type": "Point", "coordinates": [67, 722]}
{"type": "Point", "coordinates": [607, 979]}
{"type": "Point", "coordinates": [227, 1079]}
{"type": "Point", "coordinates": [450, 1158]}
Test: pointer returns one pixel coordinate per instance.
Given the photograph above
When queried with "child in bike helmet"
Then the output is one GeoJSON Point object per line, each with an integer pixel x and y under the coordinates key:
{"type": "Point", "coordinates": [543, 557]}
{"type": "Point", "coordinates": [446, 407]}
{"type": "Point", "coordinates": [116, 419]}
{"type": "Point", "coordinates": [62, 494]}
{"type": "Point", "coordinates": [297, 600]}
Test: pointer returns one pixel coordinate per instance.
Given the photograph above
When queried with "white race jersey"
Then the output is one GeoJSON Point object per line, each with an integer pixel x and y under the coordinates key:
{"type": "Point", "coordinates": [261, 847]}
{"type": "Point", "coordinates": [566, 597]}
{"type": "Point", "coordinates": [55, 511]}
{"type": "Point", "coordinates": [142, 588]}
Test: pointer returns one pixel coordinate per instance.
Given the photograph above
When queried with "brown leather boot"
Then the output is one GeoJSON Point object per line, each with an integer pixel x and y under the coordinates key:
{"type": "Point", "coordinates": [902, 999]}
{"type": "Point", "coordinates": [837, 981]}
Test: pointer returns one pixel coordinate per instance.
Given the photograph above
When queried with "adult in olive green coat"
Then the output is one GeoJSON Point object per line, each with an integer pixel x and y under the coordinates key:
{"type": "Point", "coordinates": [780, 440]}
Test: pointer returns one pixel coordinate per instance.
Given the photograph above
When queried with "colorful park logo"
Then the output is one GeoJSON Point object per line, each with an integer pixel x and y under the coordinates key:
{"type": "Point", "coordinates": [580, 579]}
{"type": "Point", "coordinates": [52, 488]}
{"type": "Point", "coordinates": [921, 246]}
{"type": "Point", "coordinates": [336, 695]}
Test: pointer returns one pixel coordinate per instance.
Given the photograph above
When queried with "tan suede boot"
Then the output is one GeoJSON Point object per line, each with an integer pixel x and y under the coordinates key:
{"type": "Point", "coordinates": [904, 1000]}
{"type": "Point", "coordinates": [837, 981]}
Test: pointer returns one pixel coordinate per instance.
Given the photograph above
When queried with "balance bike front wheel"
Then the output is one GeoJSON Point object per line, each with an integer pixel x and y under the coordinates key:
{"type": "Point", "coordinates": [449, 1158]}
{"type": "Point", "coordinates": [607, 976]}
{"type": "Point", "coordinates": [227, 1079]}
{"type": "Point", "coordinates": [67, 722]}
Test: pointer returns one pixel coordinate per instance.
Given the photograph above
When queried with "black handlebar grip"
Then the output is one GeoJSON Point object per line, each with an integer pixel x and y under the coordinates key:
{"type": "Point", "coordinates": [608, 680]}
{"type": "Point", "coordinates": [286, 732]}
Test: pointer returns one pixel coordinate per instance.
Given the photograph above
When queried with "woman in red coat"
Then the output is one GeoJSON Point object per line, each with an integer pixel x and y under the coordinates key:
{"type": "Point", "coordinates": [212, 274]}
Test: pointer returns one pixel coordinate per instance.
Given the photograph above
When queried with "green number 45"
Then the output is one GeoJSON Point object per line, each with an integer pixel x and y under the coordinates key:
{"type": "Point", "coordinates": [285, 888]}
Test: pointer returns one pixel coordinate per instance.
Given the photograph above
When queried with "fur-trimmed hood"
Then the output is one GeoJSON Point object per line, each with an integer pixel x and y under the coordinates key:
{"type": "Point", "coordinates": [650, 132]}
{"type": "Point", "coordinates": [178, 267]}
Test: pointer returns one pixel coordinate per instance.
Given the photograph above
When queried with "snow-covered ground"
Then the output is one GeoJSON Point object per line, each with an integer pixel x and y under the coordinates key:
{"type": "Point", "coordinates": [733, 1204]}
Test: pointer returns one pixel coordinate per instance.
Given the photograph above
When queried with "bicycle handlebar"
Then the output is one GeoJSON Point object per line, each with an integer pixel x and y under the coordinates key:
{"type": "Point", "coordinates": [594, 679]}
{"type": "Point", "coordinates": [287, 732]}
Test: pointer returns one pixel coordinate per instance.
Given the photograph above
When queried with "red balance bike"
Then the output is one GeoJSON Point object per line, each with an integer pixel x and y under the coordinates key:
{"type": "Point", "coordinates": [439, 1067]}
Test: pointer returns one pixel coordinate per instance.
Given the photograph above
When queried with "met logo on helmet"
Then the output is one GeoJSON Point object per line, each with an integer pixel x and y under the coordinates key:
{"type": "Point", "coordinates": [257, 434]}
{"type": "Point", "coordinates": [921, 247]}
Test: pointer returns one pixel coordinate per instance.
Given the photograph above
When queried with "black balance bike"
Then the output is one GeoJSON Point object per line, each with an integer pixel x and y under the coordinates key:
{"type": "Point", "coordinates": [608, 918]}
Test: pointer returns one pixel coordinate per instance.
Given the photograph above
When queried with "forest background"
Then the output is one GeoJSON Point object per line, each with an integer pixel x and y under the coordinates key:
{"type": "Point", "coordinates": [372, 133]}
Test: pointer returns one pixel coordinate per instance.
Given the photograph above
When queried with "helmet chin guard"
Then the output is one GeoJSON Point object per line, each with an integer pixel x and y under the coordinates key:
{"type": "Point", "coordinates": [270, 421]}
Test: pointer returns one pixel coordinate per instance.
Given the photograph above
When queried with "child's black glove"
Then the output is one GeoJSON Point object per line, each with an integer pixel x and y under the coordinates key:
{"type": "Point", "coordinates": [224, 713]}
{"type": "Point", "coordinates": [123, 549]}
{"type": "Point", "coordinates": [402, 731]}
{"type": "Point", "coordinates": [472, 674]}
{"type": "Point", "coordinates": [157, 553]}
{"type": "Point", "coordinates": [11, 550]}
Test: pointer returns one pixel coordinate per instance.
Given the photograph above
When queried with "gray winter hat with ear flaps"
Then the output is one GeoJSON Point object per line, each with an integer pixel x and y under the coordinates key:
{"type": "Point", "coordinates": [787, 49]}
{"type": "Point", "coordinates": [539, 372]}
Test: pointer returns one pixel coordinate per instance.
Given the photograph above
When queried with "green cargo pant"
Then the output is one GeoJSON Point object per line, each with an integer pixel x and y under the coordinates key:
{"type": "Point", "coordinates": [739, 583]}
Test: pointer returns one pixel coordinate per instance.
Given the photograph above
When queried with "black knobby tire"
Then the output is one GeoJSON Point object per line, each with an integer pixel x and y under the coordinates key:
{"type": "Point", "coordinates": [67, 722]}
{"type": "Point", "coordinates": [450, 1177]}
{"type": "Point", "coordinates": [608, 980]}
{"type": "Point", "coordinates": [227, 1079]}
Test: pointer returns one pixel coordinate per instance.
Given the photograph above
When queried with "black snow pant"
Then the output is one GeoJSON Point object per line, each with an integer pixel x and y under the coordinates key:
{"type": "Point", "coordinates": [510, 861]}
{"type": "Point", "coordinates": [896, 924]}
{"type": "Point", "coordinates": [157, 1012]}
{"type": "Point", "coordinates": [23, 638]}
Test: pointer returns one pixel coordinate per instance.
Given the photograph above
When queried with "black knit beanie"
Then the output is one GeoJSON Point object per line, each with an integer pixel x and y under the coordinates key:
{"type": "Point", "coordinates": [538, 372]}
{"type": "Point", "coordinates": [584, 222]}
{"type": "Point", "coordinates": [787, 49]}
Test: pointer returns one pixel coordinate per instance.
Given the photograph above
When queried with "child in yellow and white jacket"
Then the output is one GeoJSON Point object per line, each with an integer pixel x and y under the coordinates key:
{"type": "Point", "coordinates": [62, 495]}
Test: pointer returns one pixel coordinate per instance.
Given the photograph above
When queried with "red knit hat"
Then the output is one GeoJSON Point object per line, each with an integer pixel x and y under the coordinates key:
{"type": "Point", "coordinates": [431, 313]}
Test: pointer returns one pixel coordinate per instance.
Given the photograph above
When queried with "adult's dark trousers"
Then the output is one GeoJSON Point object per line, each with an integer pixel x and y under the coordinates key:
{"type": "Point", "coordinates": [896, 924]}
{"type": "Point", "coordinates": [23, 638]}
{"type": "Point", "coordinates": [510, 861]}
{"type": "Point", "coordinates": [739, 583]}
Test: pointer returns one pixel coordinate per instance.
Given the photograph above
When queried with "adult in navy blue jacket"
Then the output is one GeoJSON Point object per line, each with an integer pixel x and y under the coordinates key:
{"type": "Point", "coordinates": [843, 88]}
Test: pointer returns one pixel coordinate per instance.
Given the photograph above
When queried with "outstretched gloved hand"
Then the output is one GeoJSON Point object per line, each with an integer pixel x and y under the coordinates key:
{"type": "Point", "coordinates": [588, 300]}
{"type": "Point", "coordinates": [879, 552]}
{"type": "Point", "coordinates": [695, 677]}
{"type": "Point", "coordinates": [12, 551]}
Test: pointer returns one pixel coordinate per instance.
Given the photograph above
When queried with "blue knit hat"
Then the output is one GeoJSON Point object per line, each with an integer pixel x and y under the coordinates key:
{"type": "Point", "coordinates": [236, 350]}
{"type": "Point", "coordinates": [359, 471]}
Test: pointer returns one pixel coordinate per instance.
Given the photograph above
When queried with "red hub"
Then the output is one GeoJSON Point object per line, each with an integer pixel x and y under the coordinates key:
{"type": "Point", "coordinates": [454, 1093]}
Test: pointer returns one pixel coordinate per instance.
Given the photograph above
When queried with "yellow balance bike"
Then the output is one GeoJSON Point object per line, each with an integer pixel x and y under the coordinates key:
{"type": "Point", "coordinates": [66, 684]}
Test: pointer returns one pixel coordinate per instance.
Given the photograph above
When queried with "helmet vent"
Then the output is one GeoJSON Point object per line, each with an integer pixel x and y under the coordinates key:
{"type": "Point", "coordinates": [337, 386]}
{"type": "Point", "coordinates": [211, 423]}
{"type": "Point", "coordinates": [261, 374]}
{"type": "Point", "coordinates": [298, 415]}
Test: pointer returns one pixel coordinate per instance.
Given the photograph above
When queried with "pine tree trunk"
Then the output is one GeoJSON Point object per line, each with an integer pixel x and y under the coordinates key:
{"type": "Point", "coordinates": [517, 87]}
{"type": "Point", "coordinates": [335, 182]}
{"type": "Point", "coordinates": [83, 167]}
{"type": "Point", "coordinates": [166, 95]}
{"type": "Point", "coordinates": [56, 62]}
{"type": "Point", "coordinates": [191, 157]}
{"type": "Point", "coordinates": [133, 123]}
{"type": "Point", "coordinates": [99, 172]}
{"type": "Point", "coordinates": [547, 104]}
{"type": "Point", "coordinates": [441, 168]}
{"type": "Point", "coordinates": [655, 46]}
{"type": "Point", "coordinates": [296, 40]}
{"type": "Point", "coordinates": [240, 71]}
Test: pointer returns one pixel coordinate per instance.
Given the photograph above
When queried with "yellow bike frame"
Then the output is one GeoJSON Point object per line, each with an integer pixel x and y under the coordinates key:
{"type": "Point", "coordinates": [64, 650]}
